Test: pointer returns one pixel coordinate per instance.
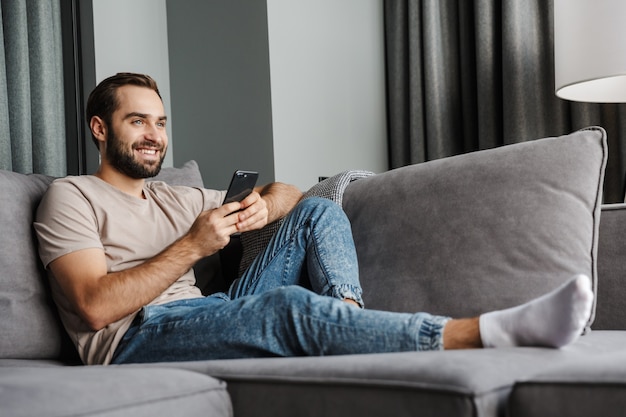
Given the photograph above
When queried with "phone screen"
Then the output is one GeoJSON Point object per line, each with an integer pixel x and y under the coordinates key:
{"type": "Point", "coordinates": [241, 185]}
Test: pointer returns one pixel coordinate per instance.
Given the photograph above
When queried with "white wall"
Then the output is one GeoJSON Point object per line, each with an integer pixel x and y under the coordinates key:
{"type": "Point", "coordinates": [327, 77]}
{"type": "Point", "coordinates": [131, 36]}
{"type": "Point", "coordinates": [328, 88]}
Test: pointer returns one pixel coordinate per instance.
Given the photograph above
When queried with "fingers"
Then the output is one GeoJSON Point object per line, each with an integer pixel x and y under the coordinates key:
{"type": "Point", "coordinates": [212, 230]}
{"type": "Point", "coordinates": [254, 222]}
{"type": "Point", "coordinates": [249, 214]}
{"type": "Point", "coordinates": [254, 213]}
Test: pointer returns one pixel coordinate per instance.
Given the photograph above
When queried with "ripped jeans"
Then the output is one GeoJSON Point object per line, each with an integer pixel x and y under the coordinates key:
{"type": "Point", "coordinates": [288, 303]}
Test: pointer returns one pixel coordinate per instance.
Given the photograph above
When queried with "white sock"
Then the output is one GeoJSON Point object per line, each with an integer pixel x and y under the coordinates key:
{"type": "Point", "coordinates": [552, 320]}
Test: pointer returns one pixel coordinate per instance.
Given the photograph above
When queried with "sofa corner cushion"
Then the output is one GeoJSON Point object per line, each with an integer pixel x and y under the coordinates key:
{"type": "Point", "coordinates": [29, 326]}
{"type": "Point", "coordinates": [111, 391]}
{"type": "Point", "coordinates": [481, 231]}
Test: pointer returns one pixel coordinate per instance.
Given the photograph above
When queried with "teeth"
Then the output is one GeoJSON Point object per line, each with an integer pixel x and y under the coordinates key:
{"type": "Point", "coordinates": [148, 151]}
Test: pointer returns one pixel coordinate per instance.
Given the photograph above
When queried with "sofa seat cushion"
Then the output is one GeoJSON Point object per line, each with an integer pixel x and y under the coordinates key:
{"type": "Point", "coordinates": [100, 391]}
{"type": "Point", "coordinates": [442, 383]}
{"type": "Point", "coordinates": [594, 387]}
{"type": "Point", "coordinates": [481, 231]}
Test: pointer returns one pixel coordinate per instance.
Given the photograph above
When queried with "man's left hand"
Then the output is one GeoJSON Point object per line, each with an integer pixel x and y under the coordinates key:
{"type": "Point", "coordinates": [254, 213]}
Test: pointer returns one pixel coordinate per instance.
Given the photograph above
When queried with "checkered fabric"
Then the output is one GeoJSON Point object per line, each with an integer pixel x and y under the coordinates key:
{"type": "Point", "coordinates": [331, 188]}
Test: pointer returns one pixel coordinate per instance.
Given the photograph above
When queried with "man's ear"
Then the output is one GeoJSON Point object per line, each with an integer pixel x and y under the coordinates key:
{"type": "Point", "coordinates": [98, 129]}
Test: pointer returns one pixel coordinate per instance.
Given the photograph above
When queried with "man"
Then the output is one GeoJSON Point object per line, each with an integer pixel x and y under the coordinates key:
{"type": "Point", "coordinates": [120, 253]}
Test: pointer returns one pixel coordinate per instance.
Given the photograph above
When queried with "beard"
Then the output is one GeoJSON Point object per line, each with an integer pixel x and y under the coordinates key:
{"type": "Point", "coordinates": [124, 159]}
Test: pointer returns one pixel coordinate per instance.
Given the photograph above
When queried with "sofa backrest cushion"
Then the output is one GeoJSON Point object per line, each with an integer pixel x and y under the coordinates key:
{"type": "Point", "coordinates": [187, 175]}
{"type": "Point", "coordinates": [29, 324]}
{"type": "Point", "coordinates": [481, 231]}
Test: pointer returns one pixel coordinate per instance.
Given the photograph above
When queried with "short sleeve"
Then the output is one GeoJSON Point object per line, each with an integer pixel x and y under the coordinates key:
{"type": "Point", "coordinates": [65, 223]}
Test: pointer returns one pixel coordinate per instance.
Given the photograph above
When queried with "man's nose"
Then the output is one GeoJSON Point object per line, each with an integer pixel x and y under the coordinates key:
{"type": "Point", "coordinates": [153, 133]}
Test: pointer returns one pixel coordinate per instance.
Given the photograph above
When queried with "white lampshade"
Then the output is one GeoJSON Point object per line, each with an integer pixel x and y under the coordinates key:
{"type": "Point", "coordinates": [590, 50]}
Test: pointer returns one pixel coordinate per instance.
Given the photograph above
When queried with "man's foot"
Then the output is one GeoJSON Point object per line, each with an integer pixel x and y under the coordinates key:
{"type": "Point", "coordinates": [552, 320]}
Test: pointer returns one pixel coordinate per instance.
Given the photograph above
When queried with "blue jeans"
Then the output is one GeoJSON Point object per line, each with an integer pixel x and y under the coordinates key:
{"type": "Point", "coordinates": [288, 303]}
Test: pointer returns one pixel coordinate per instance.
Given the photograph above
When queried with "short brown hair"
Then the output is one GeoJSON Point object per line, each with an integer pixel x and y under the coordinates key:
{"type": "Point", "coordinates": [103, 101]}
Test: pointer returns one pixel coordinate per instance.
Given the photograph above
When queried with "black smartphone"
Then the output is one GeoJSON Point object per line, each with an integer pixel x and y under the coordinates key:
{"type": "Point", "coordinates": [241, 185]}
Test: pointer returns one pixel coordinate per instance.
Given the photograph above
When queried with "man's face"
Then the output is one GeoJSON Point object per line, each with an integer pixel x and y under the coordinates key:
{"type": "Point", "coordinates": [137, 139]}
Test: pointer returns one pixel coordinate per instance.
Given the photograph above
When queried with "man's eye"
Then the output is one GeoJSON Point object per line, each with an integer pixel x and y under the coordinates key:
{"type": "Point", "coordinates": [138, 122]}
{"type": "Point", "coordinates": [161, 124]}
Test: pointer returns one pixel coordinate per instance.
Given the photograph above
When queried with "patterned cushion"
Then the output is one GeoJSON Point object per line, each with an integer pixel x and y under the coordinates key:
{"type": "Point", "coordinates": [331, 188]}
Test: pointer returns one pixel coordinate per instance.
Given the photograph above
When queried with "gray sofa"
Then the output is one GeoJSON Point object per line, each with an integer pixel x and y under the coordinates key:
{"type": "Point", "coordinates": [456, 236]}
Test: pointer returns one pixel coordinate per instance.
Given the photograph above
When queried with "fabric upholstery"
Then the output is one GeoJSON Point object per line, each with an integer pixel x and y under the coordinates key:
{"type": "Point", "coordinates": [459, 383]}
{"type": "Point", "coordinates": [481, 231]}
{"type": "Point", "coordinates": [611, 294]}
{"type": "Point", "coordinates": [333, 188]}
{"type": "Point", "coordinates": [188, 174]}
{"type": "Point", "coordinates": [29, 325]}
{"type": "Point", "coordinates": [252, 243]}
{"type": "Point", "coordinates": [593, 387]}
{"type": "Point", "coordinates": [95, 390]}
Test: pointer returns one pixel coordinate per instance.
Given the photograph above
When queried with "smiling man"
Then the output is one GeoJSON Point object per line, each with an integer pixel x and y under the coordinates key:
{"type": "Point", "coordinates": [120, 251]}
{"type": "Point", "coordinates": [135, 160]}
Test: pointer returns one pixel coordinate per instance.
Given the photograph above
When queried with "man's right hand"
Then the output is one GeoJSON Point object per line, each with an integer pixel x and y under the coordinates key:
{"type": "Point", "coordinates": [212, 229]}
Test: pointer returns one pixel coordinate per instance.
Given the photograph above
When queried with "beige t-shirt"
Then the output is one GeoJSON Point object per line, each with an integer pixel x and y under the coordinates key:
{"type": "Point", "coordinates": [85, 212]}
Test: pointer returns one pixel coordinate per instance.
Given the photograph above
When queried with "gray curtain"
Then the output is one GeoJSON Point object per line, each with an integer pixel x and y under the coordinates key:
{"type": "Point", "coordinates": [466, 75]}
{"type": "Point", "coordinates": [32, 120]}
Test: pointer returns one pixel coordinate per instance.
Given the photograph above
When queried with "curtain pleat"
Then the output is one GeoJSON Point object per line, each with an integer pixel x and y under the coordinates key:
{"type": "Point", "coordinates": [488, 49]}
{"type": "Point", "coordinates": [31, 83]}
{"type": "Point", "coordinates": [18, 84]}
{"type": "Point", "coordinates": [403, 46]}
{"type": "Point", "coordinates": [443, 91]}
{"type": "Point", "coordinates": [5, 127]}
{"type": "Point", "coordinates": [466, 75]}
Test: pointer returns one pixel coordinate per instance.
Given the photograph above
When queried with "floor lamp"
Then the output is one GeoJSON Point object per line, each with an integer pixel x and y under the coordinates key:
{"type": "Point", "coordinates": [590, 51]}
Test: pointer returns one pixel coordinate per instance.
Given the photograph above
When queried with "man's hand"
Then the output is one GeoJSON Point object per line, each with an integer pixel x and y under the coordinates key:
{"type": "Point", "coordinates": [265, 205]}
{"type": "Point", "coordinates": [212, 229]}
{"type": "Point", "coordinates": [254, 213]}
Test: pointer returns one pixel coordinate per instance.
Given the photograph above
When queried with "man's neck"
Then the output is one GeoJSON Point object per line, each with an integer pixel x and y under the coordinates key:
{"type": "Point", "coordinates": [122, 182]}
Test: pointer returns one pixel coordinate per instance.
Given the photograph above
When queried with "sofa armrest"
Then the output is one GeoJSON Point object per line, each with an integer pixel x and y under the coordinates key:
{"type": "Point", "coordinates": [611, 295]}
